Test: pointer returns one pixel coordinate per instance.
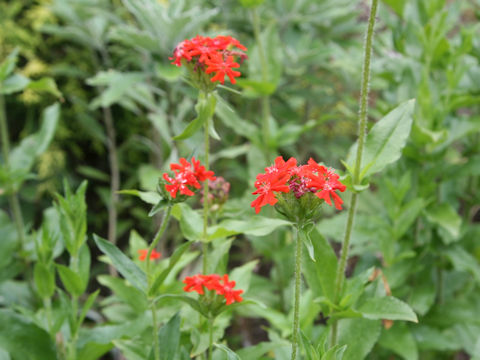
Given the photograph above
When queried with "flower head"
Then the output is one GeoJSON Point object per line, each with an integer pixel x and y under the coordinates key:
{"type": "Point", "coordinates": [142, 254]}
{"type": "Point", "coordinates": [286, 177]}
{"type": "Point", "coordinates": [187, 177]}
{"type": "Point", "coordinates": [221, 285]}
{"type": "Point", "coordinates": [205, 55]}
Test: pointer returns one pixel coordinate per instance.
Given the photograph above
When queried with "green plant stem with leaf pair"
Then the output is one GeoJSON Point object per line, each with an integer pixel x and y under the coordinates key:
{"type": "Point", "coordinates": [156, 239]}
{"type": "Point", "coordinates": [362, 130]}
{"type": "Point", "coordinates": [13, 198]}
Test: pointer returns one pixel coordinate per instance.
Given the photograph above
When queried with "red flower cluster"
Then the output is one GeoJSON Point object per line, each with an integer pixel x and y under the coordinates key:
{"type": "Point", "coordinates": [142, 254]}
{"type": "Point", "coordinates": [211, 56]}
{"type": "Point", "coordinates": [221, 285]}
{"type": "Point", "coordinates": [186, 175]}
{"type": "Point", "coordinates": [288, 177]}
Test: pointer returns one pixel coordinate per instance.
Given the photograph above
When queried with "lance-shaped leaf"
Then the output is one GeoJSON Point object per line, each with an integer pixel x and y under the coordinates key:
{"type": "Point", "coordinates": [385, 141]}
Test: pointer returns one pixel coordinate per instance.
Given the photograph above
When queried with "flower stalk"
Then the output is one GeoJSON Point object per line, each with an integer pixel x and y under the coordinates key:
{"type": "Point", "coordinates": [205, 190]}
{"type": "Point", "coordinates": [362, 131]}
{"type": "Point", "coordinates": [298, 274]}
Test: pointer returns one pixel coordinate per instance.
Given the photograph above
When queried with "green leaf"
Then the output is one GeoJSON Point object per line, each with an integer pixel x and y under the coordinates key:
{"type": "Point", "coordinates": [387, 307]}
{"type": "Point", "coordinates": [360, 335]}
{"type": "Point", "coordinates": [310, 351]}
{"type": "Point", "coordinates": [445, 217]}
{"type": "Point", "coordinates": [45, 84]}
{"type": "Point", "coordinates": [385, 141]}
{"type": "Point", "coordinates": [464, 261]}
{"type": "Point", "coordinates": [23, 338]}
{"type": "Point", "coordinates": [205, 108]}
{"type": "Point", "coordinates": [176, 256]}
{"type": "Point", "coordinates": [194, 304]}
{"type": "Point", "coordinates": [4, 355]}
{"type": "Point", "coordinates": [71, 280]}
{"type": "Point", "coordinates": [7, 66]}
{"type": "Point", "coordinates": [335, 353]}
{"type": "Point", "coordinates": [400, 340]}
{"type": "Point", "coordinates": [407, 215]}
{"type": "Point", "coordinates": [255, 226]}
{"type": "Point", "coordinates": [243, 274]}
{"type": "Point", "coordinates": [126, 292]}
{"type": "Point", "coordinates": [44, 277]}
{"type": "Point", "coordinates": [123, 264]}
{"type": "Point", "coordinates": [321, 273]}
{"type": "Point", "coordinates": [87, 305]}
{"type": "Point", "coordinates": [169, 338]}
{"type": "Point", "coordinates": [191, 222]}
{"type": "Point", "coordinates": [23, 156]}
{"type": "Point", "coordinates": [150, 197]}
{"type": "Point", "coordinates": [13, 84]}
{"type": "Point", "coordinates": [229, 352]}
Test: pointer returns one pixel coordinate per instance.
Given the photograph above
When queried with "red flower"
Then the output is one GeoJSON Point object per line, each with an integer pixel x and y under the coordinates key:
{"type": "Point", "coordinates": [198, 282]}
{"type": "Point", "coordinates": [287, 176]}
{"type": "Point", "coordinates": [187, 176]}
{"type": "Point", "coordinates": [222, 68]}
{"type": "Point", "coordinates": [226, 289]}
{"type": "Point", "coordinates": [144, 252]}
{"type": "Point", "coordinates": [211, 55]}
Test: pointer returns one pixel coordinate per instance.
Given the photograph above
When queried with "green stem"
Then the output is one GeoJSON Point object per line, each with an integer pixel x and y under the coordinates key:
{"type": "Point", "coordinates": [13, 198]}
{"type": "Point", "coordinates": [205, 191]}
{"type": "Point", "coordinates": [298, 274]}
{"type": "Point", "coordinates": [156, 344]}
{"type": "Point", "coordinates": [72, 345]}
{"type": "Point", "coordinates": [266, 112]}
{"type": "Point", "coordinates": [158, 235]}
{"type": "Point", "coordinates": [210, 338]}
{"type": "Point", "coordinates": [362, 130]}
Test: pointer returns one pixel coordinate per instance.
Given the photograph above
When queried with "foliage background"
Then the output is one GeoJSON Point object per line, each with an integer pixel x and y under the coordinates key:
{"type": "Point", "coordinates": [419, 219]}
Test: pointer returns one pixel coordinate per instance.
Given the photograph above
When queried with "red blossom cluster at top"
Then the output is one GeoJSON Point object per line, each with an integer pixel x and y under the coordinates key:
{"type": "Point", "coordinates": [286, 176]}
{"type": "Point", "coordinates": [186, 176]}
{"type": "Point", "coordinates": [142, 254]}
{"type": "Point", "coordinates": [221, 284]}
{"type": "Point", "coordinates": [211, 56]}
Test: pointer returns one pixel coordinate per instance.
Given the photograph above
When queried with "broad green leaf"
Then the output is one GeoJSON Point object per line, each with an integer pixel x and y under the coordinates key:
{"type": "Point", "coordinates": [445, 217]}
{"type": "Point", "coordinates": [123, 264]}
{"type": "Point", "coordinates": [385, 141]}
{"type": "Point", "coordinates": [320, 275]}
{"type": "Point", "coordinates": [23, 156]}
{"type": "Point", "coordinates": [71, 280]}
{"type": "Point", "coordinates": [169, 338]}
{"type": "Point", "coordinates": [191, 222]}
{"type": "Point", "coordinates": [205, 108]}
{"type": "Point", "coordinates": [176, 256]}
{"type": "Point", "coordinates": [243, 274]}
{"type": "Point", "coordinates": [258, 350]}
{"type": "Point", "coordinates": [23, 338]}
{"type": "Point", "coordinates": [194, 304]}
{"type": "Point", "coordinates": [387, 307]}
{"type": "Point", "coordinates": [44, 277]}
{"type": "Point", "coordinates": [360, 335]}
{"type": "Point", "coordinates": [13, 84]}
{"type": "Point", "coordinates": [4, 355]}
{"type": "Point", "coordinates": [45, 84]}
{"type": "Point", "coordinates": [93, 351]}
{"type": "Point", "coordinates": [255, 226]}
{"type": "Point", "coordinates": [231, 119]}
{"type": "Point", "coordinates": [408, 214]}
{"type": "Point", "coordinates": [126, 292]}
{"type": "Point", "coordinates": [229, 352]}
{"type": "Point", "coordinates": [150, 197]}
{"type": "Point", "coordinates": [105, 334]}
{"type": "Point", "coordinates": [400, 340]}
{"type": "Point", "coordinates": [464, 261]}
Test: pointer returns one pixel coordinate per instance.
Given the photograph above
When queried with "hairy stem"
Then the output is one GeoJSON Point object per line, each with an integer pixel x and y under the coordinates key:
{"type": "Point", "coordinates": [205, 192]}
{"type": "Point", "coordinates": [298, 274]}
{"type": "Point", "coordinates": [210, 338]}
{"type": "Point", "coordinates": [362, 130]}
{"type": "Point", "coordinates": [156, 345]}
{"type": "Point", "coordinates": [13, 198]}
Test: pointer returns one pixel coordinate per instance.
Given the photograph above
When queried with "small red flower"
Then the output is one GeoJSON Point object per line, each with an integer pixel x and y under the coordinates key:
{"type": "Point", "coordinates": [285, 176]}
{"type": "Point", "coordinates": [211, 55]}
{"type": "Point", "coordinates": [226, 289]}
{"type": "Point", "coordinates": [142, 254]}
{"type": "Point", "coordinates": [221, 285]}
{"type": "Point", "coordinates": [187, 176]}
